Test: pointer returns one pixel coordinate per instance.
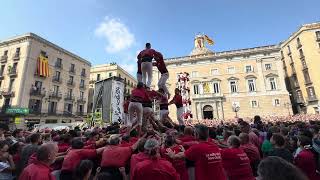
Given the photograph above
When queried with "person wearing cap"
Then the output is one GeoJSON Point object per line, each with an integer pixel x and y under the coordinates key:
{"type": "Point", "coordinates": [164, 74]}
{"type": "Point", "coordinates": [235, 161]}
{"type": "Point", "coordinates": [154, 168]}
{"type": "Point", "coordinates": [205, 155]}
{"type": "Point", "coordinates": [74, 157]}
{"type": "Point", "coordinates": [40, 169]}
{"type": "Point", "coordinates": [177, 100]}
{"type": "Point", "coordinates": [146, 56]}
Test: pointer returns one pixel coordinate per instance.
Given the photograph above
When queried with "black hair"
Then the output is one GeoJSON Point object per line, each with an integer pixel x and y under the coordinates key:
{"type": "Point", "coordinates": [4, 126]}
{"type": "Point", "coordinates": [202, 131]}
{"type": "Point", "coordinates": [106, 176]}
{"type": "Point", "coordinates": [15, 132]}
{"type": "Point", "coordinates": [141, 144]}
{"type": "Point", "coordinates": [148, 45]}
{"type": "Point", "coordinates": [82, 169]}
{"type": "Point", "coordinates": [212, 133]}
{"type": "Point", "coordinates": [276, 168]}
{"type": "Point", "coordinates": [278, 139]}
{"type": "Point", "coordinates": [3, 143]}
{"type": "Point", "coordinates": [169, 141]}
{"type": "Point", "coordinates": [35, 137]}
{"type": "Point", "coordinates": [77, 143]}
{"type": "Point", "coordinates": [140, 85]}
{"type": "Point", "coordinates": [304, 140]}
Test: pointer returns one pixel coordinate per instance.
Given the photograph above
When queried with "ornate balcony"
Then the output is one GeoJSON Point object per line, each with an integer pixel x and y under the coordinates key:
{"type": "Point", "coordinates": [4, 59]}
{"type": "Point", "coordinates": [81, 100]}
{"type": "Point", "coordinates": [69, 97]}
{"type": "Point", "coordinates": [72, 71]}
{"type": "Point", "coordinates": [82, 86]}
{"type": "Point", "coordinates": [12, 72]}
{"type": "Point", "coordinates": [83, 74]}
{"type": "Point", "coordinates": [207, 95]}
{"type": "Point", "coordinates": [56, 79]}
{"type": "Point", "coordinates": [16, 57]}
{"type": "Point", "coordinates": [55, 95]}
{"type": "Point", "coordinates": [70, 83]}
{"type": "Point", "coordinates": [7, 92]}
{"type": "Point", "coordinates": [58, 65]}
{"type": "Point", "coordinates": [37, 92]}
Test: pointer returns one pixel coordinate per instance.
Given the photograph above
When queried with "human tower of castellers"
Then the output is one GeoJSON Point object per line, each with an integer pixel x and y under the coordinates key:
{"type": "Point", "coordinates": [138, 107]}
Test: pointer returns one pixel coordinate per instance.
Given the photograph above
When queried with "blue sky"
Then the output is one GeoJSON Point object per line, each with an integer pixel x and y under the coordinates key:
{"type": "Point", "coordinates": [104, 31]}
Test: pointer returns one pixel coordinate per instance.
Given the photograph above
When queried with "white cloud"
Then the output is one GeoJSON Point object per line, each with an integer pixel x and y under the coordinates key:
{"type": "Point", "coordinates": [130, 68]}
{"type": "Point", "coordinates": [116, 33]}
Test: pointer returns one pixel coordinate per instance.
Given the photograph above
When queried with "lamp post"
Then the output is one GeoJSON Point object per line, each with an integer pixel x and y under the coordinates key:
{"type": "Point", "coordinates": [235, 108]}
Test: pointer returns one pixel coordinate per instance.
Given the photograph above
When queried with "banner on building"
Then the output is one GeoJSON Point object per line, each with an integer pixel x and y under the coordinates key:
{"type": "Point", "coordinates": [117, 101]}
{"type": "Point", "coordinates": [43, 66]}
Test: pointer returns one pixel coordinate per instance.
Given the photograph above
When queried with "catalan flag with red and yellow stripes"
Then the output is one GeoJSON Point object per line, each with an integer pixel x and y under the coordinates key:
{"type": "Point", "coordinates": [209, 40]}
{"type": "Point", "coordinates": [43, 66]}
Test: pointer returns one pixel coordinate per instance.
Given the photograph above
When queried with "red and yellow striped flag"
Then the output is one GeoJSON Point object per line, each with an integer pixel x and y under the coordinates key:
{"type": "Point", "coordinates": [209, 40]}
{"type": "Point", "coordinates": [43, 66]}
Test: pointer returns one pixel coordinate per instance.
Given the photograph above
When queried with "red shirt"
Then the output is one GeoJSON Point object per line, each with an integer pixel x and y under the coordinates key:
{"type": "Point", "coordinates": [177, 100]}
{"type": "Point", "coordinates": [63, 147]}
{"type": "Point", "coordinates": [37, 171]}
{"type": "Point", "coordinates": [208, 163]}
{"type": "Point", "coordinates": [135, 159]}
{"type": "Point", "coordinates": [236, 164]}
{"type": "Point", "coordinates": [161, 66]}
{"type": "Point", "coordinates": [254, 139]}
{"type": "Point", "coordinates": [155, 169]}
{"type": "Point", "coordinates": [74, 157]}
{"type": "Point", "coordinates": [115, 156]}
{"type": "Point", "coordinates": [151, 53]}
{"type": "Point", "coordinates": [306, 161]}
{"type": "Point", "coordinates": [139, 95]}
{"type": "Point", "coordinates": [187, 138]}
{"type": "Point", "coordinates": [178, 164]}
{"type": "Point", "coordinates": [252, 152]}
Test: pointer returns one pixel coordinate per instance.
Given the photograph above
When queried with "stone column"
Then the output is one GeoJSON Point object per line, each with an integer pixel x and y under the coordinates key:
{"type": "Point", "coordinates": [217, 109]}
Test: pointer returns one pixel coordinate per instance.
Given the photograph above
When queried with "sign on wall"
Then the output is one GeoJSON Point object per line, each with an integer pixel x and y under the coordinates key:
{"type": "Point", "coordinates": [117, 101]}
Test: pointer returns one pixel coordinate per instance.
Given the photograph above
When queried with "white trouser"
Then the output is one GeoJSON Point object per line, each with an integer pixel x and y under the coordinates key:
{"type": "Point", "coordinates": [139, 77]}
{"type": "Point", "coordinates": [147, 110]}
{"type": "Point", "coordinates": [146, 68]}
{"type": "Point", "coordinates": [162, 82]}
{"type": "Point", "coordinates": [135, 107]}
{"type": "Point", "coordinates": [163, 114]}
{"type": "Point", "coordinates": [180, 112]}
{"type": "Point", "coordinates": [125, 118]}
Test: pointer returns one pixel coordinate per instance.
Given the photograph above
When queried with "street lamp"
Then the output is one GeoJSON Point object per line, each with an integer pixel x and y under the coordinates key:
{"type": "Point", "coordinates": [235, 108]}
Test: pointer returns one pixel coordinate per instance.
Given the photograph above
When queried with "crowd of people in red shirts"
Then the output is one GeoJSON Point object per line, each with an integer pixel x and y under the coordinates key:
{"type": "Point", "coordinates": [239, 151]}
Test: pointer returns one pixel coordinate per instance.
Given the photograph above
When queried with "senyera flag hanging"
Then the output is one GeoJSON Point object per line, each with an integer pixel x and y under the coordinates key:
{"type": "Point", "coordinates": [43, 66]}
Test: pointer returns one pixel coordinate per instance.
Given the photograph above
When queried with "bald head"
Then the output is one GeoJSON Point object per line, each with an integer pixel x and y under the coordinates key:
{"type": "Point", "coordinates": [188, 131]}
{"type": "Point", "coordinates": [47, 153]}
{"type": "Point", "coordinates": [244, 138]}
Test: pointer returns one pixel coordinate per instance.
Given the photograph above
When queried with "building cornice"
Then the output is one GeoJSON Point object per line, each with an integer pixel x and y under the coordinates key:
{"type": "Point", "coordinates": [224, 54]}
{"type": "Point", "coordinates": [113, 67]}
{"type": "Point", "coordinates": [33, 36]}
{"type": "Point", "coordinates": [301, 29]}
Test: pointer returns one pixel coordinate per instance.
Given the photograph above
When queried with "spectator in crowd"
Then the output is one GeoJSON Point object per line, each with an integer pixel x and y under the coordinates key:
{"type": "Point", "coordinates": [83, 170]}
{"type": "Point", "coordinates": [136, 158]}
{"type": "Point", "coordinates": [306, 159]}
{"type": "Point", "coordinates": [251, 150]}
{"type": "Point", "coordinates": [28, 150]}
{"type": "Point", "coordinates": [235, 161]}
{"type": "Point", "coordinates": [206, 156]}
{"type": "Point", "coordinates": [18, 135]}
{"type": "Point", "coordinates": [3, 129]}
{"type": "Point", "coordinates": [154, 168]}
{"type": "Point", "coordinates": [40, 169]}
{"type": "Point", "coordinates": [276, 168]}
{"type": "Point", "coordinates": [253, 138]}
{"type": "Point", "coordinates": [7, 165]}
{"type": "Point", "coordinates": [74, 157]}
{"type": "Point", "coordinates": [278, 142]}
{"type": "Point", "coordinates": [115, 156]}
